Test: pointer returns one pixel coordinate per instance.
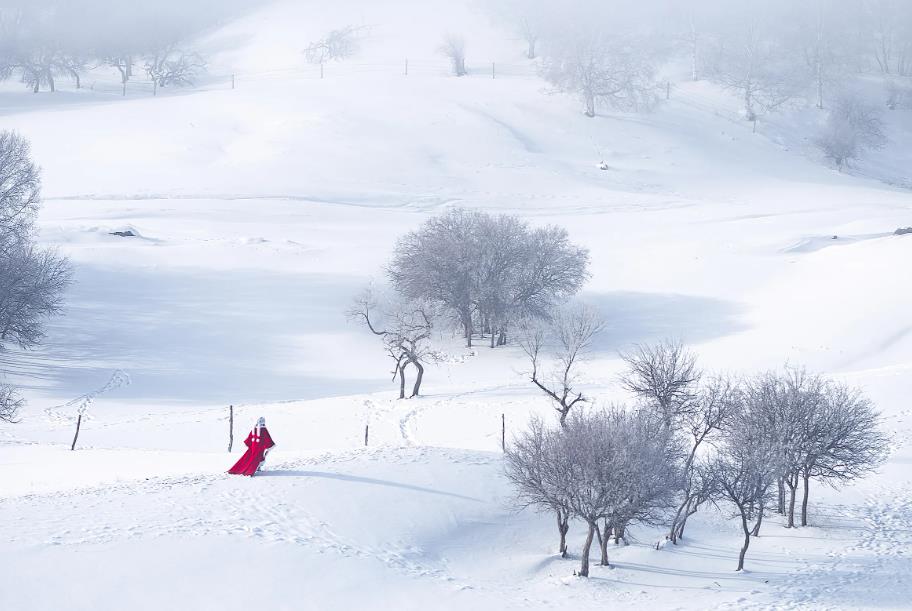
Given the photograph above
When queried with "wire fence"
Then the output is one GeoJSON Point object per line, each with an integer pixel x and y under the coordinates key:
{"type": "Point", "coordinates": [419, 68]}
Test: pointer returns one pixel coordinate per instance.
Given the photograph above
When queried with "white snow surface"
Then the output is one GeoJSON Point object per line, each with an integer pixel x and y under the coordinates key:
{"type": "Point", "coordinates": [260, 212]}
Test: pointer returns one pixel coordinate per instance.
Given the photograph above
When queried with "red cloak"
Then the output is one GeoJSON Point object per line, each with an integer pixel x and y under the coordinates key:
{"type": "Point", "coordinates": [256, 452]}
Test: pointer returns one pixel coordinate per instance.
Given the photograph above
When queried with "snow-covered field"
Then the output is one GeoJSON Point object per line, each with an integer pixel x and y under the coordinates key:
{"type": "Point", "coordinates": [262, 211]}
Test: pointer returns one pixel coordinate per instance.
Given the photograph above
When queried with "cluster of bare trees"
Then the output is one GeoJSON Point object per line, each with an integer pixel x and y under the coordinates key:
{"type": "Point", "coordinates": [488, 272]}
{"type": "Point", "coordinates": [32, 280]}
{"type": "Point", "coordinates": [769, 55]}
{"type": "Point", "coordinates": [748, 444]}
{"type": "Point", "coordinates": [483, 274]}
{"type": "Point", "coordinates": [44, 40]}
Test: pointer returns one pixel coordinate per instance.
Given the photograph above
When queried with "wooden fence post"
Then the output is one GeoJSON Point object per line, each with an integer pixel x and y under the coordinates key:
{"type": "Point", "coordinates": [366, 429]}
{"type": "Point", "coordinates": [230, 427]}
{"type": "Point", "coordinates": [76, 436]}
{"type": "Point", "coordinates": [503, 432]}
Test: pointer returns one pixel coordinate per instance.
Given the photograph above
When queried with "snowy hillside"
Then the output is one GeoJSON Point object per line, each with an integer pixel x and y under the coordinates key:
{"type": "Point", "coordinates": [260, 211]}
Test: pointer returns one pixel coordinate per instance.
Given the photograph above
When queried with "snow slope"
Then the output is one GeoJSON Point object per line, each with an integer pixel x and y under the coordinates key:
{"type": "Point", "coordinates": [261, 211]}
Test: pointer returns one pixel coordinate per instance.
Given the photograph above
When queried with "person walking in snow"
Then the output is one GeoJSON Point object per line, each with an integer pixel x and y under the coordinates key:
{"type": "Point", "coordinates": [258, 443]}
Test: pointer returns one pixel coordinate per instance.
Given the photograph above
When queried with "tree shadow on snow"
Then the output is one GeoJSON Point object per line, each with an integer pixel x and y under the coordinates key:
{"type": "Point", "coordinates": [632, 317]}
{"type": "Point", "coordinates": [194, 335]}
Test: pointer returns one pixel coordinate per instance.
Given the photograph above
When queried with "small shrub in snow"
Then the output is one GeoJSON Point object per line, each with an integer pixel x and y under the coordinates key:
{"type": "Point", "coordinates": [903, 231]}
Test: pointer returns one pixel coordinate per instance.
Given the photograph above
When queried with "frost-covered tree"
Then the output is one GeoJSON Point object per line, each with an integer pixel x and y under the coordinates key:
{"type": "Point", "coordinates": [848, 442]}
{"type": "Point", "coordinates": [32, 280]}
{"type": "Point", "coordinates": [537, 464]}
{"type": "Point", "coordinates": [453, 48]}
{"type": "Point", "coordinates": [664, 374]}
{"type": "Point", "coordinates": [708, 414]}
{"type": "Point", "coordinates": [488, 271]}
{"type": "Point", "coordinates": [556, 348]}
{"type": "Point", "coordinates": [335, 46]}
{"type": "Point", "coordinates": [886, 27]}
{"type": "Point", "coordinates": [751, 58]}
{"type": "Point", "coordinates": [745, 471]}
{"type": "Point", "coordinates": [603, 68]}
{"type": "Point", "coordinates": [852, 128]}
{"type": "Point", "coordinates": [624, 465]}
{"type": "Point", "coordinates": [406, 329]}
{"type": "Point", "coordinates": [172, 67]}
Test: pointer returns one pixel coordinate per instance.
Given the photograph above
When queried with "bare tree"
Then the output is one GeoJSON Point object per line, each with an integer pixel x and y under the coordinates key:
{"type": "Point", "coordinates": [852, 128]}
{"type": "Point", "coordinates": [568, 338]}
{"type": "Point", "coordinates": [602, 68]}
{"type": "Point", "coordinates": [665, 375]}
{"type": "Point", "coordinates": [751, 59]}
{"type": "Point", "coordinates": [32, 281]}
{"type": "Point", "coordinates": [406, 331]}
{"type": "Point", "coordinates": [849, 443]}
{"type": "Point", "coordinates": [335, 46]}
{"type": "Point", "coordinates": [537, 464]}
{"type": "Point", "coordinates": [10, 403]}
{"type": "Point", "coordinates": [454, 49]}
{"type": "Point", "coordinates": [745, 470]}
{"type": "Point", "coordinates": [623, 465]}
{"type": "Point", "coordinates": [488, 271]}
{"type": "Point", "coordinates": [711, 408]}
{"type": "Point", "coordinates": [173, 67]}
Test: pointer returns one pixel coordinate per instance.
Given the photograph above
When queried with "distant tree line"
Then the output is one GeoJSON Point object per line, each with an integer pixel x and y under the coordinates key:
{"type": "Point", "coordinates": [42, 41]}
{"type": "Point", "coordinates": [748, 444]}
{"type": "Point", "coordinates": [769, 54]}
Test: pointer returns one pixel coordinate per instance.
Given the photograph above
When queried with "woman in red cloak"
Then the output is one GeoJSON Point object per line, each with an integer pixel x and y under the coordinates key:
{"type": "Point", "coordinates": [258, 444]}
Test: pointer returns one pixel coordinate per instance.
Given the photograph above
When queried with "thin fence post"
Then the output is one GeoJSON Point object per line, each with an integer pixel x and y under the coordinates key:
{"type": "Point", "coordinates": [366, 431]}
{"type": "Point", "coordinates": [232, 81]}
{"type": "Point", "coordinates": [493, 71]}
{"type": "Point", "coordinates": [503, 432]}
{"type": "Point", "coordinates": [230, 427]}
{"type": "Point", "coordinates": [76, 436]}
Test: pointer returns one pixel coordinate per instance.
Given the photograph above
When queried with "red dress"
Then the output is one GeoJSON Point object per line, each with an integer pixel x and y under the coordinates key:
{"type": "Point", "coordinates": [256, 452]}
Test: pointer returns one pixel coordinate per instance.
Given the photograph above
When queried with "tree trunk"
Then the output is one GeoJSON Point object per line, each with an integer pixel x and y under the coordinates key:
{"type": "Point", "coordinates": [603, 544]}
{"type": "Point", "coordinates": [402, 382]}
{"type": "Point", "coordinates": [587, 545]}
{"type": "Point", "coordinates": [793, 489]}
{"type": "Point", "coordinates": [619, 534]}
{"type": "Point", "coordinates": [756, 530]}
{"type": "Point", "coordinates": [780, 507]}
{"type": "Point", "coordinates": [563, 525]}
{"type": "Point", "coordinates": [804, 501]}
{"type": "Point", "coordinates": [51, 84]}
{"type": "Point", "coordinates": [417, 387]}
{"type": "Point", "coordinates": [76, 436]}
{"type": "Point", "coordinates": [530, 52]}
{"type": "Point", "coordinates": [590, 104]}
{"type": "Point", "coordinates": [747, 540]}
